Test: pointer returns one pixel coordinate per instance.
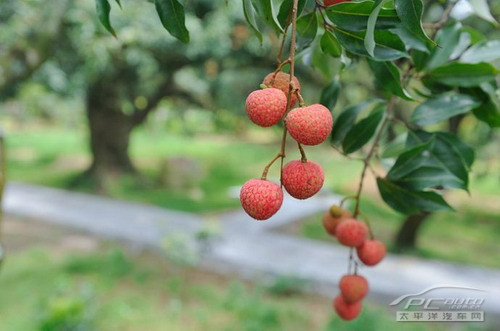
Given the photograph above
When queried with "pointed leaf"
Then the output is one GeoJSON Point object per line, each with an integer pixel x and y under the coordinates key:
{"type": "Point", "coordinates": [171, 14]}
{"type": "Point", "coordinates": [463, 74]}
{"type": "Point", "coordinates": [363, 131]}
{"type": "Point", "coordinates": [388, 46]}
{"type": "Point", "coordinates": [410, 39]}
{"type": "Point", "coordinates": [388, 78]}
{"type": "Point", "coordinates": [307, 26]}
{"type": "Point", "coordinates": [443, 107]}
{"type": "Point", "coordinates": [482, 10]}
{"type": "Point", "coordinates": [330, 94]}
{"type": "Point", "coordinates": [354, 16]}
{"type": "Point", "coordinates": [268, 10]}
{"type": "Point", "coordinates": [249, 13]}
{"type": "Point", "coordinates": [286, 8]}
{"type": "Point", "coordinates": [447, 39]}
{"type": "Point", "coordinates": [410, 14]}
{"type": "Point", "coordinates": [103, 9]}
{"type": "Point", "coordinates": [330, 45]}
{"type": "Point", "coordinates": [482, 52]}
{"type": "Point", "coordinates": [410, 202]}
{"type": "Point", "coordinates": [370, 28]}
{"type": "Point", "coordinates": [346, 120]}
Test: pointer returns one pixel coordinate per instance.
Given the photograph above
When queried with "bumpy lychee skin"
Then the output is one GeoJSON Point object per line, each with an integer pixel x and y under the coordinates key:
{"type": "Point", "coordinates": [371, 252]}
{"type": "Point", "coordinates": [309, 125]}
{"type": "Point", "coordinates": [302, 180]}
{"type": "Point", "coordinates": [332, 218]}
{"type": "Point", "coordinates": [351, 232]}
{"type": "Point", "coordinates": [345, 310]}
{"type": "Point", "coordinates": [353, 288]}
{"type": "Point", "coordinates": [266, 107]}
{"type": "Point", "coordinates": [260, 198]}
{"type": "Point", "coordinates": [281, 81]}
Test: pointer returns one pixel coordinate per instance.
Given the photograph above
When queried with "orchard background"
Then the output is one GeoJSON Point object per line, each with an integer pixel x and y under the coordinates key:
{"type": "Point", "coordinates": [145, 102]}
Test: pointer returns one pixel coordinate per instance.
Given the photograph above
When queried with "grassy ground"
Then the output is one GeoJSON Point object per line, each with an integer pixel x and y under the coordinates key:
{"type": "Point", "coordinates": [53, 157]}
{"type": "Point", "coordinates": [54, 279]}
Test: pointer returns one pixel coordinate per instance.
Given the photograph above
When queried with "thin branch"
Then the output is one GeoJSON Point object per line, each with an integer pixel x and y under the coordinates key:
{"type": "Point", "coordinates": [371, 152]}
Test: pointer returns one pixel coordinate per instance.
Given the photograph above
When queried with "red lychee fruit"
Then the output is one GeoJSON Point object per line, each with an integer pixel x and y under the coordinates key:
{"type": "Point", "coordinates": [261, 198]}
{"type": "Point", "coordinates": [346, 311]}
{"type": "Point", "coordinates": [332, 218]}
{"type": "Point", "coordinates": [371, 252]}
{"type": "Point", "coordinates": [329, 3]}
{"type": "Point", "coordinates": [353, 288]}
{"type": "Point", "coordinates": [351, 232]}
{"type": "Point", "coordinates": [309, 125]}
{"type": "Point", "coordinates": [281, 81]}
{"type": "Point", "coordinates": [302, 180]}
{"type": "Point", "coordinates": [266, 107]}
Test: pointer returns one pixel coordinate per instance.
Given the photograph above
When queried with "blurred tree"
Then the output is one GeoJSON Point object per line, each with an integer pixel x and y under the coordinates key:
{"type": "Point", "coordinates": [27, 43]}
{"type": "Point", "coordinates": [124, 79]}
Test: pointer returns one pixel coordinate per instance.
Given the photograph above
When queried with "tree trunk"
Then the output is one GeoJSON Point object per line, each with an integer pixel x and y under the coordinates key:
{"type": "Point", "coordinates": [406, 237]}
{"type": "Point", "coordinates": [110, 130]}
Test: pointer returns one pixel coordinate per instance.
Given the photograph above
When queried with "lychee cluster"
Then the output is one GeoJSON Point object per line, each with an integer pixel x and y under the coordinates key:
{"type": "Point", "coordinates": [352, 233]}
{"type": "Point", "coordinates": [308, 125]}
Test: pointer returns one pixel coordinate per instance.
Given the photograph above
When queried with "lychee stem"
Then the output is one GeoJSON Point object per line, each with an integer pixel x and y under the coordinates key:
{"type": "Point", "coordinates": [367, 221]}
{"type": "Point", "coordinates": [302, 153]}
{"type": "Point", "coordinates": [266, 169]}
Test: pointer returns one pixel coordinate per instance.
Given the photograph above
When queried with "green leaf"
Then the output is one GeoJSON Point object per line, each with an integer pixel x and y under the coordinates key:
{"type": "Point", "coordinates": [330, 45]}
{"type": "Point", "coordinates": [387, 77]}
{"type": "Point", "coordinates": [118, 2]}
{"type": "Point", "coordinates": [103, 9]}
{"type": "Point", "coordinates": [447, 39]}
{"type": "Point", "coordinates": [286, 8]}
{"type": "Point", "coordinates": [354, 16]}
{"type": "Point", "coordinates": [410, 202]}
{"type": "Point", "coordinates": [429, 177]}
{"type": "Point", "coordinates": [410, 39]}
{"type": "Point", "coordinates": [410, 14]}
{"type": "Point", "coordinates": [410, 160]}
{"type": "Point", "coordinates": [171, 14]}
{"type": "Point", "coordinates": [395, 147]}
{"type": "Point", "coordinates": [388, 46]}
{"type": "Point", "coordinates": [346, 120]}
{"type": "Point", "coordinates": [363, 131]}
{"type": "Point", "coordinates": [463, 74]}
{"type": "Point", "coordinates": [482, 10]}
{"type": "Point", "coordinates": [330, 94]}
{"type": "Point", "coordinates": [327, 65]}
{"type": "Point", "coordinates": [463, 44]}
{"type": "Point", "coordinates": [370, 28]}
{"type": "Point", "coordinates": [489, 110]}
{"type": "Point", "coordinates": [418, 169]}
{"type": "Point", "coordinates": [475, 35]}
{"type": "Point", "coordinates": [268, 10]}
{"type": "Point", "coordinates": [487, 51]}
{"type": "Point", "coordinates": [443, 107]}
{"type": "Point", "coordinates": [249, 14]}
{"type": "Point", "coordinates": [307, 27]}
{"type": "Point", "coordinates": [447, 152]}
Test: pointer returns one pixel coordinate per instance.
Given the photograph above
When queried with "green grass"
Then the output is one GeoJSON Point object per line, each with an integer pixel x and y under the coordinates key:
{"type": "Point", "coordinates": [54, 157]}
{"type": "Point", "coordinates": [469, 235]}
{"type": "Point", "coordinates": [43, 289]}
